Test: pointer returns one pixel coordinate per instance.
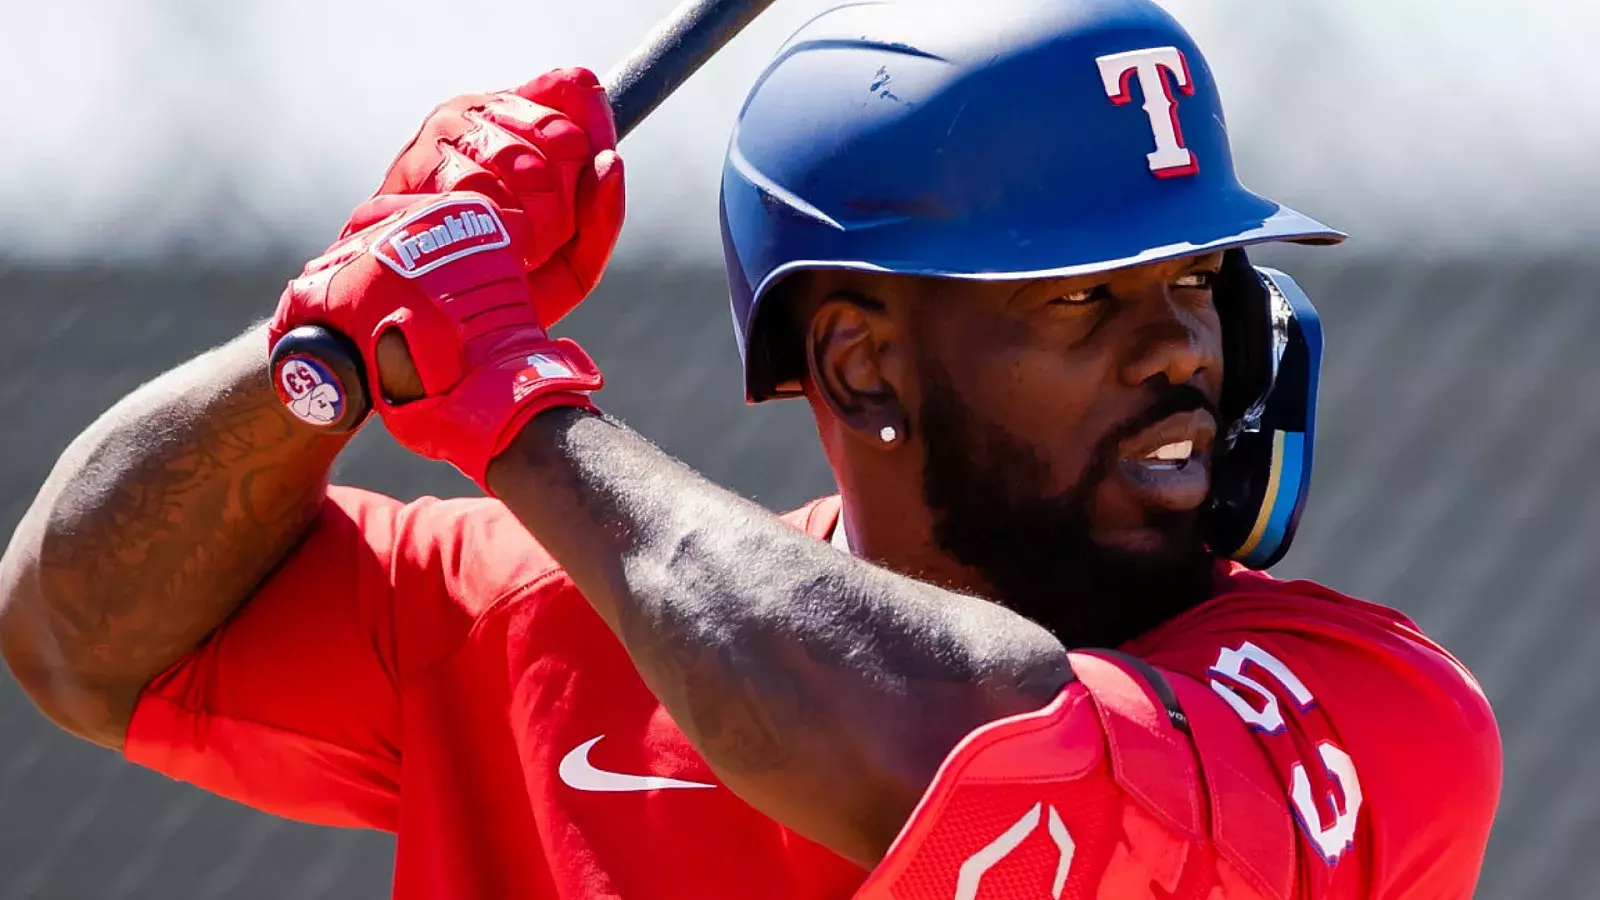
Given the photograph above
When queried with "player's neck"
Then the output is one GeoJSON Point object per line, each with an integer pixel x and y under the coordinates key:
{"type": "Point", "coordinates": [1101, 606]}
{"type": "Point", "coordinates": [898, 543]}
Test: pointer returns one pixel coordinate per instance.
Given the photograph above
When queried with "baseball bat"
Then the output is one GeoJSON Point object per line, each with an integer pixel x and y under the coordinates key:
{"type": "Point", "coordinates": [663, 61]}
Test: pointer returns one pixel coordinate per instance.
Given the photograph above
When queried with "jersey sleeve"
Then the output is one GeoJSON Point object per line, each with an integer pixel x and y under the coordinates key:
{"type": "Point", "coordinates": [1258, 753]}
{"type": "Point", "coordinates": [292, 705]}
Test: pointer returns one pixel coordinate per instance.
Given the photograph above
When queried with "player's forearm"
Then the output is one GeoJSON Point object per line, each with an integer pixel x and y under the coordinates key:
{"type": "Point", "coordinates": [155, 524]}
{"type": "Point", "coordinates": [824, 690]}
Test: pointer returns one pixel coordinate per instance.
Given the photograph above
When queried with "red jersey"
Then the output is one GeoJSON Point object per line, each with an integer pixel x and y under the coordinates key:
{"type": "Point", "coordinates": [1280, 741]}
{"type": "Point", "coordinates": [428, 669]}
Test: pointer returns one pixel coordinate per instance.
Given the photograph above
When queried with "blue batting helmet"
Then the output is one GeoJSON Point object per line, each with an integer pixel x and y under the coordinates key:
{"type": "Point", "coordinates": [1021, 139]}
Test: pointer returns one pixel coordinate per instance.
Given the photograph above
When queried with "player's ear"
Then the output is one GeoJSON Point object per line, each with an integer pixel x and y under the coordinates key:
{"type": "Point", "coordinates": [854, 356]}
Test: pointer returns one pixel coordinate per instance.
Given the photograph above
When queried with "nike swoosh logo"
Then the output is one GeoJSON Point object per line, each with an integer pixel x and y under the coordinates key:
{"type": "Point", "coordinates": [579, 774]}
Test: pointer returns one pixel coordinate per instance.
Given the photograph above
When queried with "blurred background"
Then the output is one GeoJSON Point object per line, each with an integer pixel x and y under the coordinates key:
{"type": "Point", "coordinates": [166, 165]}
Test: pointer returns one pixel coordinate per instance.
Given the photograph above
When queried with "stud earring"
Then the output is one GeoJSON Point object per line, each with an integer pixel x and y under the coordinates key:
{"type": "Point", "coordinates": [887, 434]}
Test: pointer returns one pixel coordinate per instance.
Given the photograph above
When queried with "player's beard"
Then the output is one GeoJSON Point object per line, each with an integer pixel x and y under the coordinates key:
{"type": "Point", "coordinates": [989, 493]}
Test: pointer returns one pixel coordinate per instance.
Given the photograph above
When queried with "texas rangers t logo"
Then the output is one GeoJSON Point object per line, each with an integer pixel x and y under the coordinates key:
{"type": "Point", "coordinates": [1152, 65]}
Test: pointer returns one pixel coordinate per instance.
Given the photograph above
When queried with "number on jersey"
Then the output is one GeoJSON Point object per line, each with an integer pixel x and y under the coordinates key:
{"type": "Point", "coordinates": [1238, 677]}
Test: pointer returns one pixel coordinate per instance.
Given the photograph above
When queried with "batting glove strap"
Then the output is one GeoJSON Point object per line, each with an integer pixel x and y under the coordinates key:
{"type": "Point", "coordinates": [472, 423]}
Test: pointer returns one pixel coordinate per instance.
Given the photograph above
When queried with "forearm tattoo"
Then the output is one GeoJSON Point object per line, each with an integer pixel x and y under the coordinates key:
{"type": "Point", "coordinates": [163, 517]}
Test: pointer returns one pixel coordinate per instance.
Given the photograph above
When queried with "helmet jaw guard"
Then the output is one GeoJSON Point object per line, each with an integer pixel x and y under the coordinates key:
{"type": "Point", "coordinates": [902, 138]}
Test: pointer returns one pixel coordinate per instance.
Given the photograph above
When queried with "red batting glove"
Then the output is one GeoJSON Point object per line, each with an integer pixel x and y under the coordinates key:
{"type": "Point", "coordinates": [545, 154]}
{"type": "Point", "coordinates": [446, 271]}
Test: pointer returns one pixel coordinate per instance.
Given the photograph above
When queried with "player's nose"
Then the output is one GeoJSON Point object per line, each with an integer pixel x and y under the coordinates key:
{"type": "Point", "coordinates": [1173, 339]}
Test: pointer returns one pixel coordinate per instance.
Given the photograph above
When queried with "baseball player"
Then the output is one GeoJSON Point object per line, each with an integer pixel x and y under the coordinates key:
{"type": "Point", "coordinates": [1028, 651]}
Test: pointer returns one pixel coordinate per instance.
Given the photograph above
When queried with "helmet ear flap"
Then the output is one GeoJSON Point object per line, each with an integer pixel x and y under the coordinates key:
{"type": "Point", "coordinates": [1247, 365]}
{"type": "Point", "coordinates": [1261, 474]}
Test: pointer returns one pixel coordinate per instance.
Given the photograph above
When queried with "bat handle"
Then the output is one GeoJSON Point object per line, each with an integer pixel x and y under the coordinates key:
{"type": "Point", "coordinates": [321, 379]}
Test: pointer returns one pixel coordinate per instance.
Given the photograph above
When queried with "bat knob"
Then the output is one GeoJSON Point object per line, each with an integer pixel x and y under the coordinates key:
{"type": "Point", "coordinates": [319, 376]}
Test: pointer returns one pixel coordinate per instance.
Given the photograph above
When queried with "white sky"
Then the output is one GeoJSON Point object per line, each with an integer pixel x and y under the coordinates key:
{"type": "Point", "coordinates": [233, 128]}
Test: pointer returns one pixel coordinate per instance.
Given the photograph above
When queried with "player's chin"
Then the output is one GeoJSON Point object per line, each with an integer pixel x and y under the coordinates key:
{"type": "Point", "coordinates": [1132, 519]}
{"type": "Point", "coordinates": [1154, 541]}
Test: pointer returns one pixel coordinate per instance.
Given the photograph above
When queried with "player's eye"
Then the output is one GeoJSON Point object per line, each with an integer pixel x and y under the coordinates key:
{"type": "Point", "coordinates": [1203, 280]}
{"type": "Point", "coordinates": [1085, 297]}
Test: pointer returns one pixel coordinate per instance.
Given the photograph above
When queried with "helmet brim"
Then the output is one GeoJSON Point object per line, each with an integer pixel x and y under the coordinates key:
{"type": "Point", "coordinates": [1063, 256]}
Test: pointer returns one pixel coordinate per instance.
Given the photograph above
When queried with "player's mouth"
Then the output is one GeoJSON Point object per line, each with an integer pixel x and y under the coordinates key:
{"type": "Point", "coordinates": [1169, 463]}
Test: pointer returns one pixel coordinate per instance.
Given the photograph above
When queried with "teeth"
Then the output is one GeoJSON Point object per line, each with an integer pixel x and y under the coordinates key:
{"type": "Point", "coordinates": [1173, 452]}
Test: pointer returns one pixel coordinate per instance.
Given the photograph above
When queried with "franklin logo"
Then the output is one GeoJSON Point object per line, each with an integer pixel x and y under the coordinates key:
{"type": "Point", "coordinates": [440, 234]}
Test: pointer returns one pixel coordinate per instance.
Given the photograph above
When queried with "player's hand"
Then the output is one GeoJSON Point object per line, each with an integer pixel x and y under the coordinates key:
{"type": "Point", "coordinates": [442, 274]}
{"type": "Point", "coordinates": [544, 153]}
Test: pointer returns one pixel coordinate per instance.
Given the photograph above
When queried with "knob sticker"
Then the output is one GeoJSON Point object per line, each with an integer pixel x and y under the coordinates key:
{"type": "Point", "coordinates": [310, 390]}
